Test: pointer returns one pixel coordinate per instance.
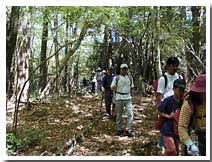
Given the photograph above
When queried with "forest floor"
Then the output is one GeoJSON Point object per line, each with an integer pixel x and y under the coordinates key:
{"type": "Point", "coordinates": [79, 126]}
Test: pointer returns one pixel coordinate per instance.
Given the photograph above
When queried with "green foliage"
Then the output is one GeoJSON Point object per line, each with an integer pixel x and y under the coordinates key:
{"type": "Point", "coordinates": [24, 140]}
{"type": "Point", "coordinates": [13, 143]}
{"type": "Point", "coordinates": [134, 30]}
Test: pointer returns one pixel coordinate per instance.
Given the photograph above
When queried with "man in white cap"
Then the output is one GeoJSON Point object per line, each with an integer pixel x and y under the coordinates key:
{"type": "Point", "coordinates": [123, 86]}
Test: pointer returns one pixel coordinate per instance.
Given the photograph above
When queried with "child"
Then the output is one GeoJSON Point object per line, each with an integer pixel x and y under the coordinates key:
{"type": "Point", "coordinates": [167, 109]}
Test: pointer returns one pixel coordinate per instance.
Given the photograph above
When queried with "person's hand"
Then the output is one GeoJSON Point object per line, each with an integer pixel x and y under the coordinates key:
{"type": "Point", "coordinates": [113, 88]}
{"type": "Point", "coordinates": [171, 115]}
{"type": "Point", "coordinates": [103, 90]}
{"type": "Point", "coordinates": [156, 111]}
{"type": "Point", "coordinates": [166, 115]}
{"type": "Point", "coordinates": [192, 149]}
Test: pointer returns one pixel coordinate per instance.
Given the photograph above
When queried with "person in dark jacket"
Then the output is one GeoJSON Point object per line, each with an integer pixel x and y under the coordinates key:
{"type": "Point", "coordinates": [106, 82]}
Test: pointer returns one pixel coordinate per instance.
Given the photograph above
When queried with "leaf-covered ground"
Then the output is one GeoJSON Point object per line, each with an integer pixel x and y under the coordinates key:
{"type": "Point", "coordinates": [78, 126]}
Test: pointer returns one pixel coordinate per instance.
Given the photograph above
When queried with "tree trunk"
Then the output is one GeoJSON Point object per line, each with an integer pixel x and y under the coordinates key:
{"type": "Point", "coordinates": [57, 55]}
{"type": "Point", "coordinates": [66, 73]}
{"type": "Point", "coordinates": [195, 42]}
{"type": "Point", "coordinates": [12, 31]}
{"type": "Point", "coordinates": [182, 34]}
{"type": "Point", "coordinates": [22, 61]}
{"type": "Point", "coordinates": [159, 70]}
{"type": "Point", "coordinates": [196, 28]}
{"type": "Point", "coordinates": [104, 58]}
{"type": "Point", "coordinates": [43, 68]}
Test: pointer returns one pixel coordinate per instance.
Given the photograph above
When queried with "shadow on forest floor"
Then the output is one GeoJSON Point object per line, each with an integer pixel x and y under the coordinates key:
{"type": "Point", "coordinates": [78, 126]}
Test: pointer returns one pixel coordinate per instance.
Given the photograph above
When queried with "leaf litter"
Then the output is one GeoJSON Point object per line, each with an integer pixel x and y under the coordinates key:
{"type": "Point", "coordinates": [78, 126]}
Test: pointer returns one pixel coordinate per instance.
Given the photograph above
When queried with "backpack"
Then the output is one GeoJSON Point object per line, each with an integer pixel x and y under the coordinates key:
{"type": "Point", "coordinates": [159, 122]}
{"type": "Point", "coordinates": [176, 121]}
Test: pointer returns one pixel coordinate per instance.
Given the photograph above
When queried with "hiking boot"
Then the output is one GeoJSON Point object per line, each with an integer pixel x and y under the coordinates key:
{"type": "Point", "coordinates": [130, 133]}
{"type": "Point", "coordinates": [120, 133]}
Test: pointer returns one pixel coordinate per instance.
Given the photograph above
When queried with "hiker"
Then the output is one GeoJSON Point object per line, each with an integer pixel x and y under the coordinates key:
{"type": "Point", "coordinates": [84, 82]}
{"type": "Point", "coordinates": [165, 86]}
{"type": "Point", "coordinates": [167, 109]}
{"type": "Point", "coordinates": [123, 86]}
{"type": "Point", "coordinates": [93, 82]}
{"type": "Point", "coordinates": [99, 76]}
{"type": "Point", "coordinates": [193, 116]}
{"type": "Point", "coordinates": [108, 93]}
{"type": "Point", "coordinates": [104, 73]}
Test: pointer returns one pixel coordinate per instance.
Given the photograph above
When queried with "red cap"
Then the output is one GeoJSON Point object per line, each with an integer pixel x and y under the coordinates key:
{"type": "Point", "coordinates": [200, 84]}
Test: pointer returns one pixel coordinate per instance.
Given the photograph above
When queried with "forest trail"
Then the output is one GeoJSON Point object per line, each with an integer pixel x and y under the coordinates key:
{"type": "Point", "coordinates": [79, 126]}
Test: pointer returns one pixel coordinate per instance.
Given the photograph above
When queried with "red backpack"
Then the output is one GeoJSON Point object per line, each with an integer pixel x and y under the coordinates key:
{"type": "Point", "coordinates": [155, 85]}
{"type": "Point", "coordinates": [159, 122]}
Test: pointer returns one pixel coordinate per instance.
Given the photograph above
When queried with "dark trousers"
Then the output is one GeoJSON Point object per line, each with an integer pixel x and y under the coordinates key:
{"type": "Point", "coordinates": [108, 101]}
{"type": "Point", "coordinates": [202, 143]}
{"type": "Point", "coordinates": [93, 87]}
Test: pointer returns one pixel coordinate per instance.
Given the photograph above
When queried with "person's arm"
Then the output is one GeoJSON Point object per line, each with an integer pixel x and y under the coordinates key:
{"type": "Point", "coordinates": [159, 97]}
{"type": "Point", "coordinates": [104, 81]}
{"type": "Point", "coordinates": [132, 92]}
{"type": "Point", "coordinates": [166, 115]}
{"type": "Point", "coordinates": [113, 84]}
{"type": "Point", "coordinates": [132, 88]}
{"type": "Point", "coordinates": [160, 91]}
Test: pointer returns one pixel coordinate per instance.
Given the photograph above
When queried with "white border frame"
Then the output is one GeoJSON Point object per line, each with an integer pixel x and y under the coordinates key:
{"type": "Point", "coordinates": [3, 5]}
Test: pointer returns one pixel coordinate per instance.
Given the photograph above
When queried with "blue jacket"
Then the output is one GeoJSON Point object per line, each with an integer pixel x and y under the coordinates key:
{"type": "Point", "coordinates": [167, 106]}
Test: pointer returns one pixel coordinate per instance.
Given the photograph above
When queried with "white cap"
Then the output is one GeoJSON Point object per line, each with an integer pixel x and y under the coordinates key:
{"type": "Point", "coordinates": [123, 66]}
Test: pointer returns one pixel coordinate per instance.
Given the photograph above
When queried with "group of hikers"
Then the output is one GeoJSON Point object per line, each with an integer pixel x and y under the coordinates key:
{"type": "Point", "coordinates": [179, 108]}
{"type": "Point", "coordinates": [179, 112]}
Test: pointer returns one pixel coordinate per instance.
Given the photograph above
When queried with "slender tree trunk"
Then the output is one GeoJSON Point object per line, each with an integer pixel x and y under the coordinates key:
{"type": "Point", "coordinates": [159, 70]}
{"type": "Point", "coordinates": [110, 50]}
{"type": "Point", "coordinates": [66, 73]}
{"type": "Point", "coordinates": [183, 20]}
{"type": "Point", "coordinates": [104, 58]}
{"type": "Point", "coordinates": [57, 55]}
{"type": "Point", "coordinates": [43, 68]}
{"type": "Point", "coordinates": [30, 64]}
{"type": "Point", "coordinates": [196, 28]}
